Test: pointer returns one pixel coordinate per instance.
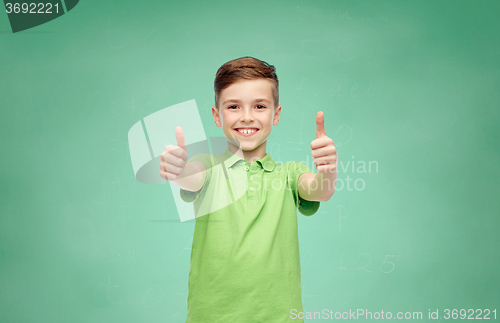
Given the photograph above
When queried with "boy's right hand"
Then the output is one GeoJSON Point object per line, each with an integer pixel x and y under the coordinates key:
{"type": "Point", "coordinates": [174, 158]}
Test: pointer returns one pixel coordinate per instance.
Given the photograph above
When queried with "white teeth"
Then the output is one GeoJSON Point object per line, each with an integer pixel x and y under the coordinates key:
{"type": "Point", "coordinates": [246, 130]}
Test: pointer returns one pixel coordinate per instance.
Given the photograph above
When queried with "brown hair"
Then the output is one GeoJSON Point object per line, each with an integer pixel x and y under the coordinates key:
{"type": "Point", "coordinates": [247, 68]}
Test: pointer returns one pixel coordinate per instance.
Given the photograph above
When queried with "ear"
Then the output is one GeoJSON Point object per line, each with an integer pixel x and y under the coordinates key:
{"type": "Point", "coordinates": [215, 113]}
{"type": "Point", "coordinates": [277, 115]}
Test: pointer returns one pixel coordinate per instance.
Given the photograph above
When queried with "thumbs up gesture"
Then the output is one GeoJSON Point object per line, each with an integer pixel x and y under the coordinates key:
{"type": "Point", "coordinates": [323, 150]}
{"type": "Point", "coordinates": [174, 158]}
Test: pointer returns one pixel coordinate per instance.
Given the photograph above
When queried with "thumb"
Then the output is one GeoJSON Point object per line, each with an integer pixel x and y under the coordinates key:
{"type": "Point", "coordinates": [179, 136]}
{"type": "Point", "coordinates": [320, 125]}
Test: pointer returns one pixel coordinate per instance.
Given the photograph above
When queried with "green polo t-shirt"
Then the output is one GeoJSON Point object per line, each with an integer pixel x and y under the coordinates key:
{"type": "Point", "coordinates": [245, 264]}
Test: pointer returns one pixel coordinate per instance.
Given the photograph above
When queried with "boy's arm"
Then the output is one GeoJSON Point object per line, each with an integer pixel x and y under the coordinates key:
{"type": "Point", "coordinates": [317, 187]}
{"type": "Point", "coordinates": [192, 177]}
{"type": "Point", "coordinates": [320, 186]}
{"type": "Point", "coordinates": [175, 168]}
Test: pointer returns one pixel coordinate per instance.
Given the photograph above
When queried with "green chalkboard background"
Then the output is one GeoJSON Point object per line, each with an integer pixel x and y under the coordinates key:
{"type": "Point", "coordinates": [411, 86]}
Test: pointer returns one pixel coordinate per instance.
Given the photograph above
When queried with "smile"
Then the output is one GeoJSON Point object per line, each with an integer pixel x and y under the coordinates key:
{"type": "Point", "coordinates": [246, 132]}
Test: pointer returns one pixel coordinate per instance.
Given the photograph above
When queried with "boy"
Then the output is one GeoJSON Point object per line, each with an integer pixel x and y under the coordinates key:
{"type": "Point", "coordinates": [245, 264]}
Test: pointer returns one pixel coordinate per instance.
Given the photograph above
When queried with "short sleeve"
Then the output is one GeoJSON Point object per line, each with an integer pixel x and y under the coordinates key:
{"type": "Point", "coordinates": [295, 169]}
{"type": "Point", "coordinates": [206, 160]}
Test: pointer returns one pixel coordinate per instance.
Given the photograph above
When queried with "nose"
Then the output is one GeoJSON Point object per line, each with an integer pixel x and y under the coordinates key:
{"type": "Point", "coordinates": [247, 115]}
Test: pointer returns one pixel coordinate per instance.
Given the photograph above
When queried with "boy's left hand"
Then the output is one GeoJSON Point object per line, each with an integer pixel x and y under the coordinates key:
{"type": "Point", "coordinates": [323, 150]}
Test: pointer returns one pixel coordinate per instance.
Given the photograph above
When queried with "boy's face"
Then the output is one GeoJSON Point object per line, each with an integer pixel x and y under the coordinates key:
{"type": "Point", "coordinates": [246, 113]}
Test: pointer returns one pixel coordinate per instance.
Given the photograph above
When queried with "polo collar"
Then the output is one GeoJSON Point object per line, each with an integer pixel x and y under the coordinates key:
{"type": "Point", "coordinates": [267, 163]}
{"type": "Point", "coordinates": [231, 159]}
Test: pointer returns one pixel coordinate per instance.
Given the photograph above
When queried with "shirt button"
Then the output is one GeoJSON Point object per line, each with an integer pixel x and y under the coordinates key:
{"type": "Point", "coordinates": [251, 189]}
{"type": "Point", "coordinates": [247, 168]}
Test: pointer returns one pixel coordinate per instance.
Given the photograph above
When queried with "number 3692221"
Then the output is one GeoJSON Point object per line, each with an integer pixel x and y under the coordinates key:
{"type": "Point", "coordinates": [31, 8]}
{"type": "Point", "coordinates": [469, 314]}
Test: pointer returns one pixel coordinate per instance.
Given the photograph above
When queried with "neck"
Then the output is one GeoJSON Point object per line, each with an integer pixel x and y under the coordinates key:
{"type": "Point", "coordinates": [249, 155]}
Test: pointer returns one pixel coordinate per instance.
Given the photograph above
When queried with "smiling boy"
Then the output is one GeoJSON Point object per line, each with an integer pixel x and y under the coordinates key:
{"type": "Point", "coordinates": [245, 264]}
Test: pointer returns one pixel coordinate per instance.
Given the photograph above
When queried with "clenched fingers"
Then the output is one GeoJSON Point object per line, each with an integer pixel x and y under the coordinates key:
{"type": "Point", "coordinates": [324, 151]}
{"type": "Point", "coordinates": [168, 176]}
{"type": "Point", "coordinates": [325, 160]}
{"type": "Point", "coordinates": [321, 142]}
{"type": "Point", "coordinates": [176, 151]}
{"type": "Point", "coordinates": [172, 159]}
{"type": "Point", "coordinates": [331, 168]}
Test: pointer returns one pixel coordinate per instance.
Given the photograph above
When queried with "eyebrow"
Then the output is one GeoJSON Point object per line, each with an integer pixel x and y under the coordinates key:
{"type": "Point", "coordinates": [238, 101]}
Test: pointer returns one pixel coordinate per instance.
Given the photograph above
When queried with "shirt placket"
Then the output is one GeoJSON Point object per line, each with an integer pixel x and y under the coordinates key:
{"type": "Point", "coordinates": [252, 170]}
